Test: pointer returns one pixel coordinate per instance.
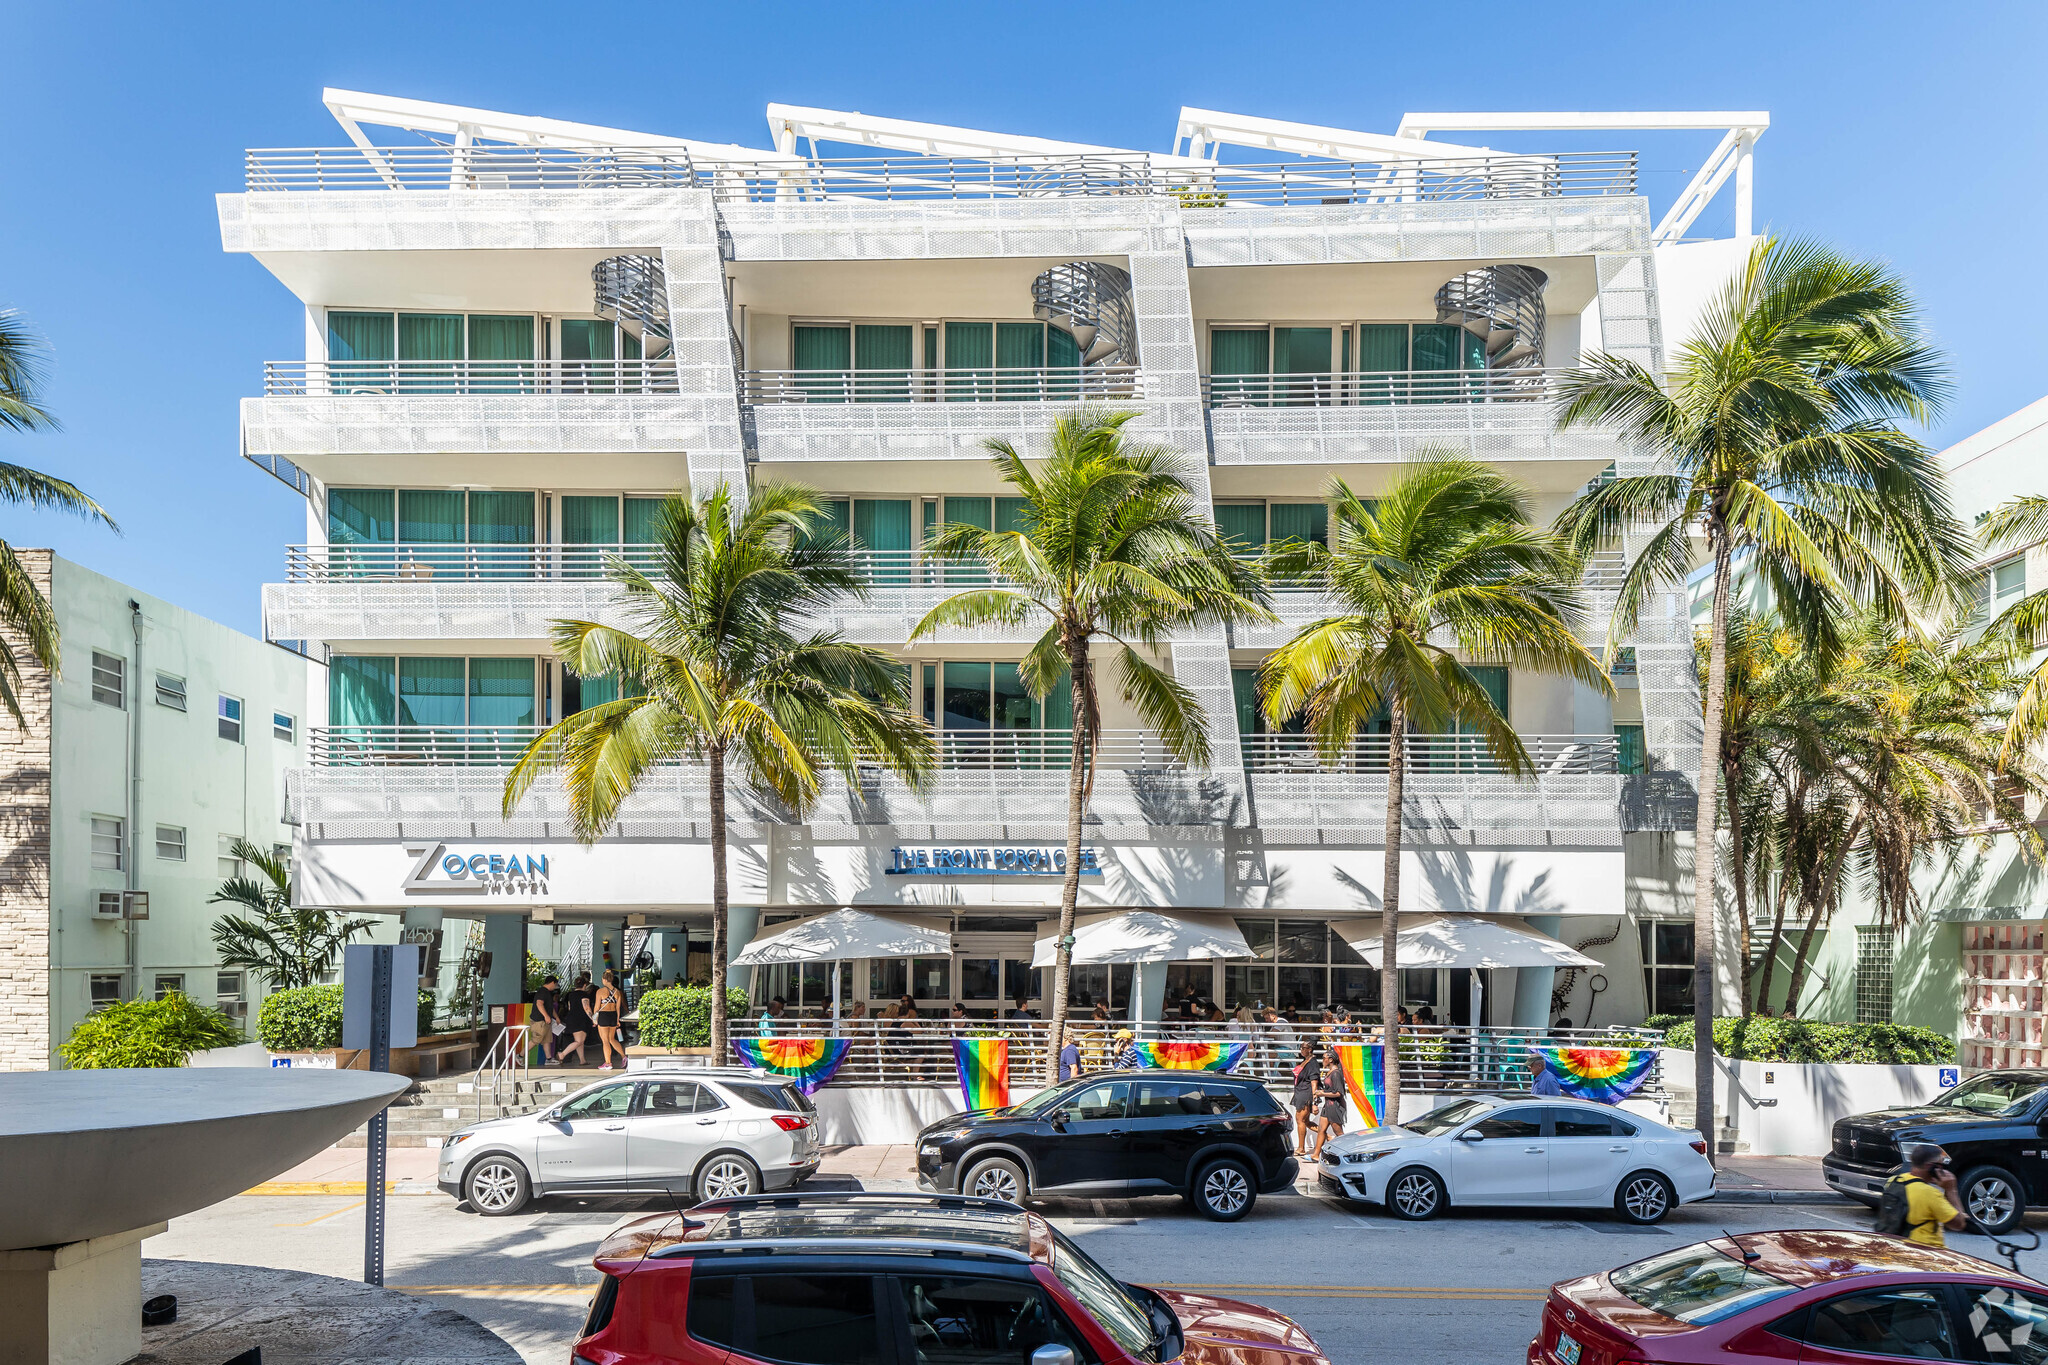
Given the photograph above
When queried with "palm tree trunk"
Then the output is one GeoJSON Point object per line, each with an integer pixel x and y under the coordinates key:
{"type": "Point", "coordinates": [721, 1047]}
{"type": "Point", "coordinates": [1390, 906]}
{"type": "Point", "coordinates": [1770, 963]}
{"type": "Point", "coordinates": [1705, 824]}
{"type": "Point", "coordinates": [1740, 869]}
{"type": "Point", "coordinates": [1080, 767]}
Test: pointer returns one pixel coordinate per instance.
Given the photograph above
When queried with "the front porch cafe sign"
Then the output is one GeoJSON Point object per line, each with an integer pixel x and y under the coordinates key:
{"type": "Point", "coordinates": [987, 860]}
{"type": "Point", "coordinates": [438, 869]}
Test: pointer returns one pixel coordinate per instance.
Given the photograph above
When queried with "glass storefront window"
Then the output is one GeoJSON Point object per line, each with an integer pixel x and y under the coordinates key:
{"type": "Point", "coordinates": [1189, 982]}
{"type": "Point", "coordinates": [980, 978]}
{"type": "Point", "coordinates": [1304, 941]}
{"type": "Point", "coordinates": [1303, 988]}
{"type": "Point", "coordinates": [1021, 979]}
{"type": "Point", "coordinates": [921, 978]}
{"type": "Point", "coordinates": [1247, 984]}
{"type": "Point", "coordinates": [1356, 989]}
{"type": "Point", "coordinates": [1102, 983]}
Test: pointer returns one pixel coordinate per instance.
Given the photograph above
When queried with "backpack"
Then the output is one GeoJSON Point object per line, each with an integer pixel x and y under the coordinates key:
{"type": "Point", "coordinates": [1893, 1204]}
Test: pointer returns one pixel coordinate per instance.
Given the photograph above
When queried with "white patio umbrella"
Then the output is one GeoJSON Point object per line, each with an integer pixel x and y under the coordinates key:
{"type": "Point", "coordinates": [847, 933]}
{"type": "Point", "coordinates": [1142, 936]}
{"type": "Point", "coordinates": [1472, 942]}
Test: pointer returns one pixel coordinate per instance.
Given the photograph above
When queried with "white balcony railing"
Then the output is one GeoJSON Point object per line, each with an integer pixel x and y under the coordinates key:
{"type": "Point", "coordinates": [384, 561]}
{"type": "Point", "coordinates": [440, 378]}
{"type": "Point", "coordinates": [1118, 383]}
{"type": "Point", "coordinates": [1532, 387]}
{"type": "Point", "coordinates": [1368, 755]}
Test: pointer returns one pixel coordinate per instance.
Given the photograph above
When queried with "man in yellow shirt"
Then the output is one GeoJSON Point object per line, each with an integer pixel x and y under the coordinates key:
{"type": "Point", "coordinates": [1930, 1196]}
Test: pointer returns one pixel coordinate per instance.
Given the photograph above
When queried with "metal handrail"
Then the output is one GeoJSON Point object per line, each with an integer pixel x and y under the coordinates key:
{"type": "Point", "coordinates": [1549, 755]}
{"type": "Point", "coordinates": [435, 378]}
{"type": "Point", "coordinates": [504, 1066]}
{"type": "Point", "coordinates": [1049, 384]}
{"type": "Point", "coordinates": [405, 561]}
{"type": "Point", "coordinates": [1390, 388]}
{"type": "Point", "coordinates": [786, 180]}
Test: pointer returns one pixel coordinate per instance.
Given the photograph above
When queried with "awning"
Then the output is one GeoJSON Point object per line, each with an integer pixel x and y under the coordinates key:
{"type": "Point", "coordinates": [849, 933]}
{"type": "Point", "coordinates": [1461, 941]}
{"type": "Point", "coordinates": [1145, 936]}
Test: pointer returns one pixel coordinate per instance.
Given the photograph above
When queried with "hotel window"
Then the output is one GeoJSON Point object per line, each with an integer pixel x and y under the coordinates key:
{"type": "Point", "coordinates": [986, 717]}
{"type": "Point", "coordinates": [226, 865]}
{"type": "Point", "coordinates": [170, 691]}
{"type": "Point", "coordinates": [1298, 965]}
{"type": "Point", "coordinates": [283, 727]}
{"type": "Point", "coordinates": [231, 718]}
{"type": "Point", "coordinates": [369, 695]}
{"type": "Point", "coordinates": [1667, 966]}
{"type": "Point", "coordinates": [1992, 591]}
{"type": "Point", "coordinates": [110, 680]}
{"type": "Point", "coordinates": [1256, 365]}
{"type": "Point", "coordinates": [228, 995]}
{"type": "Point", "coordinates": [170, 842]}
{"type": "Point", "coordinates": [596, 524]}
{"type": "Point", "coordinates": [431, 532]}
{"type": "Point", "coordinates": [167, 984]}
{"type": "Point", "coordinates": [963, 361]}
{"type": "Point", "coordinates": [362, 346]}
{"type": "Point", "coordinates": [108, 844]}
{"type": "Point", "coordinates": [103, 991]}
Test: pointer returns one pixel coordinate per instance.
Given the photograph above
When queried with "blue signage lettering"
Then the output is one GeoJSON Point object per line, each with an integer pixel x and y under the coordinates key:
{"type": "Point", "coordinates": [987, 861]}
{"type": "Point", "coordinates": [453, 865]}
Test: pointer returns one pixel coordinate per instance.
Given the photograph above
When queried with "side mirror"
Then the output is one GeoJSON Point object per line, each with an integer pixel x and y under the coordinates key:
{"type": "Point", "coordinates": [1052, 1353]}
{"type": "Point", "coordinates": [1471, 1135]}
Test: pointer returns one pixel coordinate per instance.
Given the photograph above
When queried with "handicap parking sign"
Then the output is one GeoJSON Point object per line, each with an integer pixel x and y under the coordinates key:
{"type": "Point", "coordinates": [1948, 1076]}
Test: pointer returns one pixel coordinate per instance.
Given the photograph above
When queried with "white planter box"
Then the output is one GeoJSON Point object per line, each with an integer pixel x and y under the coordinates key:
{"type": "Point", "coordinates": [1790, 1108]}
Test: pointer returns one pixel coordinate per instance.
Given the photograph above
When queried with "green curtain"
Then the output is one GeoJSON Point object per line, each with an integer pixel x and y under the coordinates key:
{"type": "Point", "coordinates": [1437, 347]}
{"type": "Point", "coordinates": [501, 519]}
{"type": "Point", "coordinates": [1062, 352]}
{"type": "Point", "coordinates": [931, 348]}
{"type": "Point", "coordinates": [1244, 690]}
{"type": "Point", "coordinates": [969, 512]}
{"type": "Point", "coordinates": [360, 689]}
{"type": "Point", "coordinates": [1382, 349]}
{"type": "Point", "coordinates": [826, 349]}
{"type": "Point", "coordinates": [362, 337]}
{"type": "Point", "coordinates": [642, 520]}
{"type": "Point", "coordinates": [359, 516]}
{"type": "Point", "coordinates": [1300, 521]}
{"type": "Point", "coordinates": [432, 517]}
{"type": "Point", "coordinates": [1020, 346]}
{"type": "Point", "coordinates": [1239, 360]}
{"type": "Point", "coordinates": [970, 346]}
{"type": "Point", "coordinates": [430, 692]}
{"type": "Point", "coordinates": [836, 519]}
{"type": "Point", "coordinates": [587, 521]}
{"type": "Point", "coordinates": [1629, 751]}
{"type": "Point", "coordinates": [885, 349]}
{"type": "Point", "coordinates": [429, 336]}
{"type": "Point", "coordinates": [1303, 351]}
{"type": "Point", "coordinates": [1471, 754]}
{"type": "Point", "coordinates": [588, 355]}
{"type": "Point", "coordinates": [500, 692]}
{"type": "Point", "coordinates": [499, 338]}
{"type": "Point", "coordinates": [1010, 514]}
{"type": "Point", "coordinates": [1243, 524]}
{"type": "Point", "coordinates": [883, 526]}
{"type": "Point", "coordinates": [1474, 348]}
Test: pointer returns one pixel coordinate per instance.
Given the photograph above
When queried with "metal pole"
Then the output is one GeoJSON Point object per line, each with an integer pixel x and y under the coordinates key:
{"type": "Point", "coordinates": [373, 1179]}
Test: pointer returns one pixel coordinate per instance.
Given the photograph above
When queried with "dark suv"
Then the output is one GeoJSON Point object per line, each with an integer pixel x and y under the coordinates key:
{"type": "Point", "coordinates": [1218, 1141]}
{"type": "Point", "coordinates": [1994, 1128]}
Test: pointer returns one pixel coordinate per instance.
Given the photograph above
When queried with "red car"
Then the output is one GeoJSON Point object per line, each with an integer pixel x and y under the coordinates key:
{"type": "Point", "coordinates": [885, 1279]}
{"type": "Point", "coordinates": [1819, 1297]}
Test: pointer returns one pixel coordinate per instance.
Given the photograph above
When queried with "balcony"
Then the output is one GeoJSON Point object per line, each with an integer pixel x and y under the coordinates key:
{"type": "Point", "coordinates": [1368, 755]}
{"type": "Point", "coordinates": [1388, 389]}
{"type": "Point", "coordinates": [1104, 383]}
{"type": "Point", "coordinates": [466, 378]}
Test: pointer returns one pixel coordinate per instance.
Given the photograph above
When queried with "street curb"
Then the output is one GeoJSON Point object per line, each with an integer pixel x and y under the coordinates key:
{"type": "Point", "coordinates": [1780, 1197]}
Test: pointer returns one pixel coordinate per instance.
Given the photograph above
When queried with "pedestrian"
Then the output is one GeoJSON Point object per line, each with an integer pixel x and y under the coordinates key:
{"type": "Point", "coordinates": [1330, 1099]}
{"type": "Point", "coordinates": [547, 1002]}
{"type": "Point", "coordinates": [610, 1004]}
{"type": "Point", "coordinates": [1930, 1190]}
{"type": "Point", "coordinates": [576, 1025]}
{"type": "Point", "coordinates": [1127, 1057]}
{"type": "Point", "coordinates": [1542, 1079]}
{"type": "Point", "coordinates": [1306, 1068]}
{"type": "Point", "coordinates": [1070, 1055]}
{"type": "Point", "coordinates": [1279, 1037]}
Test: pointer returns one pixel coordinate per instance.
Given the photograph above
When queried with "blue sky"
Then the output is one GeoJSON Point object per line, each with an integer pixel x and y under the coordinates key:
{"type": "Point", "coordinates": [1907, 132]}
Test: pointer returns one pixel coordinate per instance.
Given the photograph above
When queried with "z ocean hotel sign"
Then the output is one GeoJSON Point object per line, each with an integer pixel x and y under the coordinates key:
{"type": "Point", "coordinates": [986, 861]}
{"type": "Point", "coordinates": [438, 869]}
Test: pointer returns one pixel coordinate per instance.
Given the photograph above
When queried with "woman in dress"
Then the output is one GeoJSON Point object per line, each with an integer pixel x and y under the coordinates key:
{"type": "Point", "coordinates": [1307, 1067]}
{"type": "Point", "coordinates": [1330, 1101]}
{"type": "Point", "coordinates": [608, 1005]}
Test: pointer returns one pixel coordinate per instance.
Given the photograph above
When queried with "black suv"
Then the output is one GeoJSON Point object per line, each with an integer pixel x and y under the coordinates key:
{"type": "Point", "coordinates": [1994, 1128]}
{"type": "Point", "coordinates": [1218, 1141]}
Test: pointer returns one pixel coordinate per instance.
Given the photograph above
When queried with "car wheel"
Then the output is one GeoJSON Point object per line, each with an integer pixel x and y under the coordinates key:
{"type": "Point", "coordinates": [997, 1179]}
{"type": "Point", "coordinates": [496, 1186]}
{"type": "Point", "coordinates": [1644, 1197]}
{"type": "Point", "coordinates": [1992, 1196]}
{"type": "Point", "coordinates": [1415, 1194]}
{"type": "Point", "coordinates": [1225, 1192]}
{"type": "Point", "coordinates": [728, 1177]}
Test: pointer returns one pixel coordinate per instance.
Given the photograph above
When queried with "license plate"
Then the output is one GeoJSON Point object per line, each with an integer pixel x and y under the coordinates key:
{"type": "Point", "coordinates": [1567, 1349]}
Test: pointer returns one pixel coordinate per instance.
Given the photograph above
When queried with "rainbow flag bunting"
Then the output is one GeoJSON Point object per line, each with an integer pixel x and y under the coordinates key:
{"type": "Point", "coordinates": [984, 1065]}
{"type": "Point", "coordinates": [1606, 1074]}
{"type": "Point", "coordinates": [1190, 1056]}
{"type": "Point", "coordinates": [1365, 1076]}
{"type": "Point", "coordinates": [809, 1062]}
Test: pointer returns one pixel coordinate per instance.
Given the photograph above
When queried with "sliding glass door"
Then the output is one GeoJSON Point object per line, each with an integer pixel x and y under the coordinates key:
{"type": "Point", "coordinates": [987, 717]}
{"type": "Point", "coordinates": [430, 710]}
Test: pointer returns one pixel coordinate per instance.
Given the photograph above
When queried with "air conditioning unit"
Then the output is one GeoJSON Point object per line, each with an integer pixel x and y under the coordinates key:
{"type": "Point", "coordinates": [107, 905]}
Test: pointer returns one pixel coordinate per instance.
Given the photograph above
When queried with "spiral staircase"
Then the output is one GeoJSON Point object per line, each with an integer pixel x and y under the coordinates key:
{"type": "Point", "coordinates": [1091, 302]}
{"type": "Point", "coordinates": [1504, 305]}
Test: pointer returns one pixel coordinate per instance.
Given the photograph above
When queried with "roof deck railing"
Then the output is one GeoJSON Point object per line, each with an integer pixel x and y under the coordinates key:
{"type": "Point", "coordinates": [465, 378]}
{"type": "Point", "coordinates": [1056, 384]}
{"type": "Point", "coordinates": [1379, 389]}
{"type": "Point", "coordinates": [1306, 183]}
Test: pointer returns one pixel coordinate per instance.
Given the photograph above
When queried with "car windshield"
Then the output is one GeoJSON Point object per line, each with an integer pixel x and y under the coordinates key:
{"type": "Point", "coordinates": [1697, 1284]}
{"type": "Point", "coordinates": [1446, 1118]}
{"type": "Point", "coordinates": [1107, 1301]}
{"type": "Point", "coordinates": [1041, 1101]}
{"type": "Point", "coordinates": [1998, 1095]}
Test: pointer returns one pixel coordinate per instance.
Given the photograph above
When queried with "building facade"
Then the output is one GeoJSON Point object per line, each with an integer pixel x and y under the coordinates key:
{"type": "Point", "coordinates": [165, 738]}
{"type": "Point", "coordinates": [522, 333]}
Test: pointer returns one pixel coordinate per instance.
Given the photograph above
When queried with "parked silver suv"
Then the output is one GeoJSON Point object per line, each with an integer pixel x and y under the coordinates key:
{"type": "Point", "coordinates": [695, 1134]}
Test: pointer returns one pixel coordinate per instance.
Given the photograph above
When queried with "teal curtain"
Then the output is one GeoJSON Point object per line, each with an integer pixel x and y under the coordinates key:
{"type": "Point", "coordinates": [359, 516]}
{"type": "Point", "coordinates": [429, 336]}
{"type": "Point", "coordinates": [1236, 356]}
{"type": "Point", "coordinates": [499, 338]}
{"type": "Point", "coordinates": [1629, 750]}
{"type": "Point", "coordinates": [597, 691]}
{"type": "Point", "coordinates": [430, 692]}
{"type": "Point", "coordinates": [1020, 346]}
{"type": "Point", "coordinates": [968, 512]}
{"type": "Point", "coordinates": [362, 337]}
{"type": "Point", "coordinates": [883, 526]}
{"type": "Point", "coordinates": [1300, 521]}
{"type": "Point", "coordinates": [641, 518]}
{"type": "Point", "coordinates": [501, 692]}
{"type": "Point", "coordinates": [882, 354]}
{"type": "Point", "coordinates": [1475, 350]}
{"type": "Point", "coordinates": [826, 349]}
{"type": "Point", "coordinates": [592, 522]}
{"type": "Point", "coordinates": [588, 355]}
{"type": "Point", "coordinates": [1471, 753]}
{"type": "Point", "coordinates": [1382, 349]}
{"type": "Point", "coordinates": [970, 347]}
{"type": "Point", "coordinates": [1244, 691]}
{"type": "Point", "coordinates": [501, 519]}
{"type": "Point", "coordinates": [931, 348]}
{"type": "Point", "coordinates": [1062, 352]}
{"type": "Point", "coordinates": [360, 690]}
{"type": "Point", "coordinates": [836, 519]}
{"type": "Point", "coordinates": [1302, 351]}
{"type": "Point", "coordinates": [1010, 514]}
{"type": "Point", "coordinates": [1243, 525]}
{"type": "Point", "coordinates": [432, 517]}
{"type": "Point", "coordinates": [1437, 347]}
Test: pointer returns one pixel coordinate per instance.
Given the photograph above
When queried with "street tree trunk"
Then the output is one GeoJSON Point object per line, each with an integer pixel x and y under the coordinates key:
{"type": "Point", "coordinates": [1079, 784]}
{"type": "Point", "coordinates": [1390, 906]}
{"type": "Point", "coordinates": [721, 1028]}
{"type": "Point", "coordinates": [1740, 868]}
{"type": "Point", "coordinates": [1705, 825]}
{"type": "Point", "coordinates": [1822, 907]}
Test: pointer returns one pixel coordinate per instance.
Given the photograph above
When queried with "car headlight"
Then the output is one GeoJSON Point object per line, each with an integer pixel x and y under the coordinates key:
{"type": "Point", "coordinates": [929, 1149]}
{"type": "Point", "coordinates": [1363, 1158]}
{"type": "Point", "coordinates": [453, 1138]}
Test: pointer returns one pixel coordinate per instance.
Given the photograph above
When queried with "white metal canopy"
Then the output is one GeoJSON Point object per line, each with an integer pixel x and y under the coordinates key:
{"type": "Point", "coordinates": [1462, 941]}
{"type": "Point", "coordinates": [1146, 936]}
{"type": "Point", "coordinates": [848, 933]}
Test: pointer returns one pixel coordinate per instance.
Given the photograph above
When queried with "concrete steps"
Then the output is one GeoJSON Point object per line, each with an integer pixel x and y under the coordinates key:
{"type": "Point", "coordinates": [432, 1109]}
{"type": "Point", "coordinates": [1684, 1113]}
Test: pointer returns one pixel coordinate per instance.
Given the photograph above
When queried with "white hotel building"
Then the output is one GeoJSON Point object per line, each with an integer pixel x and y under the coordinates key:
{"type": "Point", "coordinates": [520, 333]}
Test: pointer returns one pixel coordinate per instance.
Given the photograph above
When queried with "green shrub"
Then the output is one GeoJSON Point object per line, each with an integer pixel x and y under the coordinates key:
{"type": "Point", "coordinates": [681, 1015]}
{"type": "Point", "coordinates": [308, 1018]}
{"type": "Point", "coordinates": [147, 1033]}
{"type": "Point", "coordinates": [1660, 1023]}
{"type": "Point", "coordinates": [1759, 1038]}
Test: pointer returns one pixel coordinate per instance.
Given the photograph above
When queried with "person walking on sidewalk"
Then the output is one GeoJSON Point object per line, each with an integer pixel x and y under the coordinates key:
{"type": "Point", "coordinates": [610, 1003]}
{"type": "Point", "coordinates": [547, 1001]}
{"type": "Point", "coordinates": [1930, 1198]}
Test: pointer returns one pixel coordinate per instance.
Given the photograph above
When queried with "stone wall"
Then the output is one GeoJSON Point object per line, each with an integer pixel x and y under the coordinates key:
{"type": "Point", "coordinates": [25, 977]}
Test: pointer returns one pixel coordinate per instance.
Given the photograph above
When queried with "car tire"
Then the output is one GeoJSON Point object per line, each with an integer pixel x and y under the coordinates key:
{"type": "Point", "coordinates": [727, 1175]}
{"type": "Point", "coordinates": [496, 1185]}
{"type": "Point", "coordinates": [1415, 1194]}
{"type": "Point", "coordinates": [1224, 1191]}
{"type": "Point", "coordinates": [1993, 1197]}
{"type": "Point", "coordinates": [996, 1178]}
{"type": "Point", "coordinates": [1644, 1197]}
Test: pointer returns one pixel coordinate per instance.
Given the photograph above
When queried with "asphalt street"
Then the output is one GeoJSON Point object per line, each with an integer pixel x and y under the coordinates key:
{"type": "Point", "coordinates": [1465, 1288]}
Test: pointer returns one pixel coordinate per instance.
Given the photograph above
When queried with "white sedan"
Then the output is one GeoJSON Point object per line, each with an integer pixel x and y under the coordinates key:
{"type": "Point", "coordinates": [1519, 1149]}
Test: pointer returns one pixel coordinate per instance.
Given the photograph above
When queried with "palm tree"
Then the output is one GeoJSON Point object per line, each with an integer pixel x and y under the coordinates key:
{"type": "Point", "coordinates": [712, 667]}
{"type": "Point", "coordinates": [1777, 427]}
{"type": "Point", "coordinates": [285, 945]}
{"type": "Point", "coordinates": [24, 612]}
{"type": "Point", "coordinates": [2022, 523]}
{"type": "Point", "coordinates": [1113, 549]}
{"type": "Point", "coordinates": [1446, 553]}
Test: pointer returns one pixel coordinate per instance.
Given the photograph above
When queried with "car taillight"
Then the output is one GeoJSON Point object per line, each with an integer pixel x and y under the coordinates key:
{"type": "Point", "coordinates": [789, 1123]}
{"type": "Point", "coordinates": [1698, 1144]}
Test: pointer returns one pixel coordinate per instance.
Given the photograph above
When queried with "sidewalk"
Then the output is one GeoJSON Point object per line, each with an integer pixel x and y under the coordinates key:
{"type": "Point", "coordinates": [1773, 1180]}
{"type": "Point", "coordinates": [342, 1170]}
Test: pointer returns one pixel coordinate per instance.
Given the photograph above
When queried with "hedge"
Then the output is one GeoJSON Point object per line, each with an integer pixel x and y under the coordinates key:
{"type": "Point", "coordinates": [308, 1018]}
{"type": "Point", "coordinates": [1760, 1038]}
{"type": "Point", "coordinates": [149, 1033]}
{"type": "Point", "coordinates": [681, 1015]}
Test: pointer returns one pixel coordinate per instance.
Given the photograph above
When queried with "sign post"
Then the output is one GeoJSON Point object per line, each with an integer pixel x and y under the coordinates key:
{"type": "Point", "coordinates": [379, 987]}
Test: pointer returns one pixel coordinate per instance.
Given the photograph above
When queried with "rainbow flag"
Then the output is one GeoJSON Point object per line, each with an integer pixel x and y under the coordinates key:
{"type": "Point", "coordinates": [809, 1062]}
{"type": "Point", "coordinates": [1190, 1056]}
{"type": "Point", "coordinates": [1606, 1074]}
{"type": "Point", "coordinates": [984, 1066]}
{"type": "Point", "coordinates": [1365, 1076]}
